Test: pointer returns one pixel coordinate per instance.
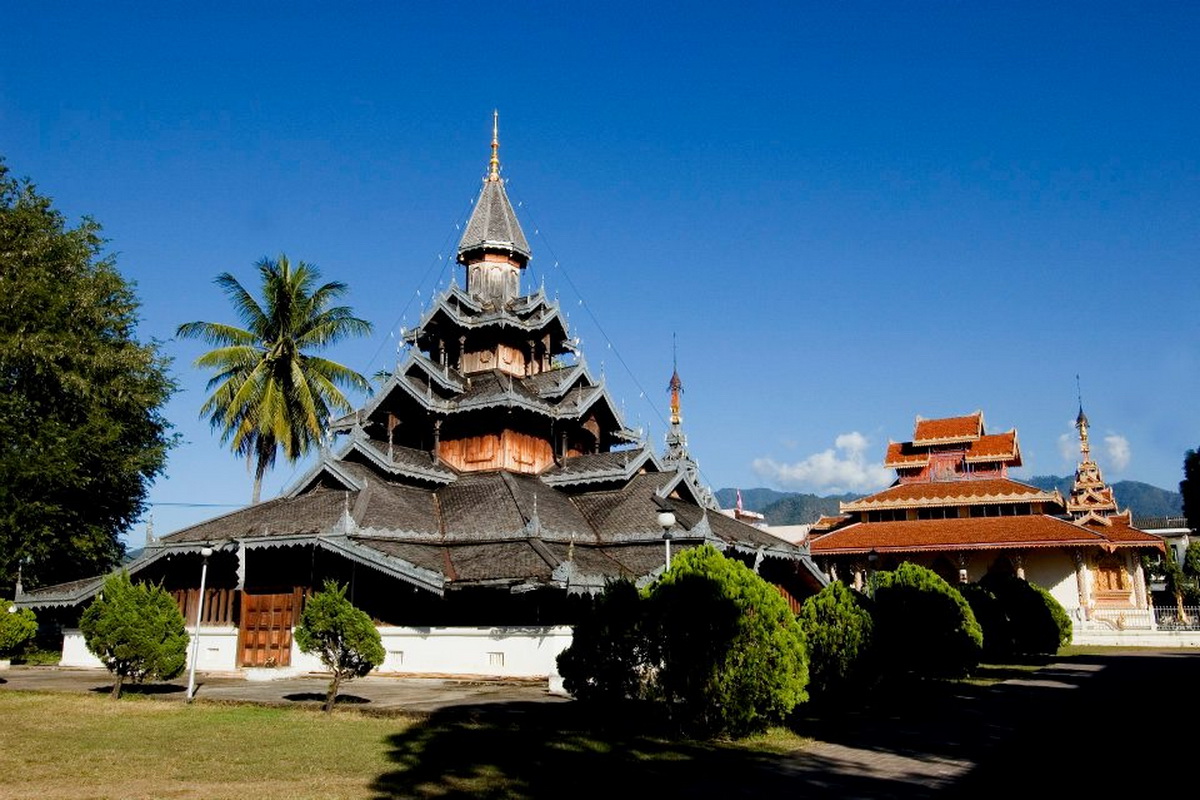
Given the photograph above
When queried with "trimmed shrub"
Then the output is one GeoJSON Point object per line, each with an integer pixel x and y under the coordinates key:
{"type": "Point", "coordinates": [924, 627]}
{"type": "Point", "coordinates": [839, 631]}
{"type": "Point", "coordinates": [342, 636]}
{"type": "Point", "coordinates": [606, 661]}
{"type": "Point", "coordinates": [17, 627]}
{"type": "Point", "coordinates": [136, 630]}
{"type": "Point", "coordinates": [1038, 622]}
{"type": "Point", "coordinates": [992, 618]}
{"type": "Point", "coordinates": [730, 653]}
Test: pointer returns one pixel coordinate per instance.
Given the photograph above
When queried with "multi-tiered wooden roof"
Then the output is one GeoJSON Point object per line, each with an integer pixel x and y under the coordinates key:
{"type": "Point", "coordinates": [491, 457]}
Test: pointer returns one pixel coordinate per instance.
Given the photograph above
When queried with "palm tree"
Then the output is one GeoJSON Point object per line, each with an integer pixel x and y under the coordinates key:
{"type": "Point", "coordinates": [267, 391]}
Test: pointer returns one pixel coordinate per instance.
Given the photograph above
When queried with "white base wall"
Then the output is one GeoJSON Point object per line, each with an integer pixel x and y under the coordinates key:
{"type": "Point", "coordinates": [218, 650]}
{"type": "Point", "coordinates": [484, 652]}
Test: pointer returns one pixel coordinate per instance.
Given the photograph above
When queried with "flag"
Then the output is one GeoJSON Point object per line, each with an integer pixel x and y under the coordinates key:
{"type": "Point", "coordinates": [739, 499]}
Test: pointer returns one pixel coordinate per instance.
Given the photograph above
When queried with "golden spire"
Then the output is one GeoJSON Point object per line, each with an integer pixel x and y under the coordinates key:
{"type": "Point", "coordinates": [1081, 422]}
{"type": "Point", "coordinates": [494, 164]}
{"type": "Point", "coordinates": [675, 386]}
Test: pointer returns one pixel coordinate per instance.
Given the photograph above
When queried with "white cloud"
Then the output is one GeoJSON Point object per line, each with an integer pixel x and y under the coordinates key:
{"type": "Point", "coordinates": [1068, 447]}
{"type": "Point", "coordinates": [1118, 451]}
{"type": "Point", "coordinates": [842, 468]}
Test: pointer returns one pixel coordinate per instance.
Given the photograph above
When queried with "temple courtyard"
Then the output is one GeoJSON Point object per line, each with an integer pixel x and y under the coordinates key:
{"type": "Point", "coordinates": [1083, 721]}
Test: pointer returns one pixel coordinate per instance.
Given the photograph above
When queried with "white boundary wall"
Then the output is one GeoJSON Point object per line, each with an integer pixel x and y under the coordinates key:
{"type": "Point", "coordinates": [516, 652]}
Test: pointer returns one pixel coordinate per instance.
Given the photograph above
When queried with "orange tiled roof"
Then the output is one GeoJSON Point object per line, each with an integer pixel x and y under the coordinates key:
{"type": "Point", "coordinates": [1120, 530]}
{"type": "Point", "coordinates": [824, 523]}
{"type": "Point", "coordinates": [903, 454]}
{"type": "Point", "coordinates": [977, 533]}
{"type": "Point", "coordinates": [948, 429]}
{"type": "Point", "coordinates": [995, 447]}
{"type": "Point", "coordinates": [945, 493]}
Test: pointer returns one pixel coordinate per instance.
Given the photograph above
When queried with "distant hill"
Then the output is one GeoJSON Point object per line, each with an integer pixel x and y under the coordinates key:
{"type": "Point", "coordinates": [800, 508]}
{"type": "Point", "coordinates": [1141, 498]}
{"type": "Point", "coordinates": [784, 508]}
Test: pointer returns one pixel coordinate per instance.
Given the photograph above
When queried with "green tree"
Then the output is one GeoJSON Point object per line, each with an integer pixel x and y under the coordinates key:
{"type": "Point", "coordinates": [609, 651]}
{"type": "Point", "coordinates": [81, 433]}
{"type": "Point", "coordinates": [136, 630]}
{"type": "Point", "coordinates": [924, 626]}
{"type": "Point", "coordinates": [268, 389]}
{"type": "Point", "coordinates": [839, 631]}
{"type": "Point", "coordinates": [1021, 619]}
{"type": "Point", "coordinates": [17, 627]}
{"type": "Point", "coordinates": [1189, 489]}
{"type": "Point", "coordinates": [342, 636]}
{"type": "Point", "coordinates": [730, 654]}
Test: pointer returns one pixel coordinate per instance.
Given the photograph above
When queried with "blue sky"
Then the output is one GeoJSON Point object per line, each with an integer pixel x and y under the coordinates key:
{"type": "Point", "coordinates": [848, 213]}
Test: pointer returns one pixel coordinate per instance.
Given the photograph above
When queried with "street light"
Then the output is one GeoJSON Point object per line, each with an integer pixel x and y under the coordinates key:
{"type": "Point", "coordinates": [191, 690]}
{"type": "Point", "coordinates": [666, 521]}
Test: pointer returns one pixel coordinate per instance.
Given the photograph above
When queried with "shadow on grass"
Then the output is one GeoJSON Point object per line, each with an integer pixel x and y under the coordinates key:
{"type": "Point", "coordinates": [533, 750]}
{"type": "Point", "coordinates": [342, 699]}
{"type": "Point", "coordinates": [146, 689]}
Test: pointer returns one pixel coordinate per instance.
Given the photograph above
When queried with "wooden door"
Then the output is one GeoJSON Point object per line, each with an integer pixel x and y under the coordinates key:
{"type": "Point", "coordinates": [265, 637]}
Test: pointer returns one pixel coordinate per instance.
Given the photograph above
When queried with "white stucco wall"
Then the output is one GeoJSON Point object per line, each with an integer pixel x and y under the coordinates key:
{"type": "Point", "coordinates": [493, 652]}
{"type": "Point", "coordinates": [517, 652]}
{"type": "Point", "coordinates": [1054, 571]}
{"type": "Point", "coordinates": [218, 650]}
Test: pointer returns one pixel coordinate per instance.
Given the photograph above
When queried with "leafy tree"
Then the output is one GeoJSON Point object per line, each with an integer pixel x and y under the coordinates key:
{"type": "Point", "coordinates": [136, 630]}
{"type": "Point", "coordinates": [839, 630]}
{"type": "Point", "coordinates": [1031, 621]}
{"type": "Point", "coordinates": [730, 654]}
{"type": "Point", "coordinates": [80, 397]}
{"type": "Point", "coordinates": [924, 626]}
{"type": "Point", "coordinates": [268, 390]}
{"type": "Point", "coordinates": [609, 652]}
{"type": "Point", "coordinates": [342, 636]}
{"type": "Point", "coordinates": [17, 627]}
{"type": "Point", "coordinates": [1189, 489]}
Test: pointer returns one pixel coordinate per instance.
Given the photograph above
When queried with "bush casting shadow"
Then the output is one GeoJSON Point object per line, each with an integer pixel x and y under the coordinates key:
{"type": "Point", "coordinates": [145, 689]}
{"type": "Point", "coordinates": [309, 697]}
{"type": "Point", "coordinates": [548, 750]}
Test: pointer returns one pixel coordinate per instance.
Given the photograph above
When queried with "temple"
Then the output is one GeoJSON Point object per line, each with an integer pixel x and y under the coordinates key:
{"type": "Point", "coordinates": [954, 508]}
{"type": "Point", "coordinates": [485, 491]}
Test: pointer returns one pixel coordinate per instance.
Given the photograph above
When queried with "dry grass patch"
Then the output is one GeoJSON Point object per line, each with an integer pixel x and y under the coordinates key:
{"type": "Point", "coordinates": [69, 746]}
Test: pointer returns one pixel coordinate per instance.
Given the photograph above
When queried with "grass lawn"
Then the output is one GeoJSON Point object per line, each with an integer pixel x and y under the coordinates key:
{"type": "Point", "coordinates": [71, 746]}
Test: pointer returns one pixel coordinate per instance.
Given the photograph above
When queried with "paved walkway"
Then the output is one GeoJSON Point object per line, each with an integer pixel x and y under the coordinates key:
{"type": "Point", "coordinates": [417, 695]}
{"type": "Point", "coordinates": [1081, 726]}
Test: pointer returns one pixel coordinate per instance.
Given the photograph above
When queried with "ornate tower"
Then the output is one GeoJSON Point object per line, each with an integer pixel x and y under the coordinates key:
{"type": "Point", "coordinates": [1091, 498]}
{"type": "Point", "coordinates": [676, 455]}
{"type": "Point", "coordinates": [493, 248]}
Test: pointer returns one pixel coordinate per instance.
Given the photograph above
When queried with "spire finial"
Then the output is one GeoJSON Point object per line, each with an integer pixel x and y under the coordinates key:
{"type": "Point", "coordinates": [494, 164]}
{"type": "Point", "coordinates": [675, 387]}
{"type": "Point", "coordinates": [1081, 422]}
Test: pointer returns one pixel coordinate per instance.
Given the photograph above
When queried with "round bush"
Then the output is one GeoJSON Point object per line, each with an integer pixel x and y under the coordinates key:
{"type": "Point", "coordinates": [839, 633]}
{"type": "Point", "coordinates": [606, 660]}
{"type": "Point", "coordinates": [730, 653]}
{"type": "Point", "coordinates": [924, 627]}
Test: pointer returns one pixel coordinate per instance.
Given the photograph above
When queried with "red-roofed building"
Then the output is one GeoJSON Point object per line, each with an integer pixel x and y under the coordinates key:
{"type": "Point", "coordinates": [954, 509]}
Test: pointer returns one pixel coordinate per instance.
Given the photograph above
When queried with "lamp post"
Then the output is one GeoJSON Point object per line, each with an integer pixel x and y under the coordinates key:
{"type": "Point", "coordinates": [191, 690]}
{"type": "Point", "coordinates": [666, 521]}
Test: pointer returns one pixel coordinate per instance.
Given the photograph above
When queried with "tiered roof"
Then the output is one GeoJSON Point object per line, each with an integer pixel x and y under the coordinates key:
{"type": "Point", "coordinates": [488, 368]}
{"type": "Point", "coordinates": [953, 494]}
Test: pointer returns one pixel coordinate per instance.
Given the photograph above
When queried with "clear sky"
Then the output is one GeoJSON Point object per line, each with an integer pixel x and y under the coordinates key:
{"type": "Point", "coordinates": [849, 213]}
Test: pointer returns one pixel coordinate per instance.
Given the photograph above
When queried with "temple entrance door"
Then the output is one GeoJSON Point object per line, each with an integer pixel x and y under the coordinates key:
{"type": "Point", "coordinates": [265, 637]}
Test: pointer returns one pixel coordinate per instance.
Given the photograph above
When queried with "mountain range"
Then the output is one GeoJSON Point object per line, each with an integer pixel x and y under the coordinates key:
{"type": "Point", "coordinates": [799, 508]}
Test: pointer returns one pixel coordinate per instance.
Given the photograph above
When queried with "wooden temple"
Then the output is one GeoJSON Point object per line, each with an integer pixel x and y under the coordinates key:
{"type": "Point", "coordinates": [485, 491]}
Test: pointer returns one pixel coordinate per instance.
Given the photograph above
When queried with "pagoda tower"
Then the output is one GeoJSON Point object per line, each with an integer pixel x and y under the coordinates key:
{"type": "Point", "coordinates": [676, 455]}
{"type": "Point", "coordinates": [492, 380]}
{"type": "Point", "coordinates": [1091, 498]}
